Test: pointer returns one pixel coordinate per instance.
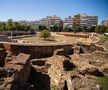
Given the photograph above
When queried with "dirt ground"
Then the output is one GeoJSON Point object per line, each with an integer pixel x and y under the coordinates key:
{"type": "Point", "coordinates": [56, 38]}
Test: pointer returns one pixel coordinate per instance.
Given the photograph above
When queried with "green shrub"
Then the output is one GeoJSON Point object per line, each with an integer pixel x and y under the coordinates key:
{"type": "Point", "coordinates": [103, 38]}
{"type": "Point", "coordinates": [45, 34]}
{"type": "Point", "coordinates": [104, 82]}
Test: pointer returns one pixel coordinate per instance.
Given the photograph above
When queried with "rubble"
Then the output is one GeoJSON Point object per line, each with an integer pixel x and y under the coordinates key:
{"type": "Point", "coordinates": [16, 70]}
{"type": "Point", "coordinates": [78, 71]}
{"type": "Point", "coordinates": [104, 69]}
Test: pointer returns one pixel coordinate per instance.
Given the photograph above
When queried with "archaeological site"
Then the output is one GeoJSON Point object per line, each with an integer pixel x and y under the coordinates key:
{"type": "Point", "coordinates": [53, 67]}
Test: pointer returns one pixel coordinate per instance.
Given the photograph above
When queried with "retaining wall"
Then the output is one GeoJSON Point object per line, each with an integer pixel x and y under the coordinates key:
{"type": "Point", "coordinates": [35, 50]}
{"type": "Point", "coordinates": [75, 35]}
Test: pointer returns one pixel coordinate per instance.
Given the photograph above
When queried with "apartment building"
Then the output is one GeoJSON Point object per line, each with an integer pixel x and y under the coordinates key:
{"type": "Point", "coordinates": [50, 21]}
{"type": "Point", "coordinates": [76, 20]}
{"type": "Point", "coordinates": [105, 22]}
{"type": "Point", "coordinates": [33, 24]}
{"type": "Point", "coordinates": [24, 22]}
{"type": "Point", "coordinates": [84, 20]}
{"type": "Point", "coordinates": [44, 22]}
{"type": "Point", "coordinates": [92, 21]}
{"type": "Point", "coordinates": [54, 20]}
{"type": "Point", "coordinates": [68, 22]}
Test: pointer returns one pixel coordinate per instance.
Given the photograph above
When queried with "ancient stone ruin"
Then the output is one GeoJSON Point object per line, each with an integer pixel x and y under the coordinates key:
{"type": "Point", "coordinates": [78, 70]}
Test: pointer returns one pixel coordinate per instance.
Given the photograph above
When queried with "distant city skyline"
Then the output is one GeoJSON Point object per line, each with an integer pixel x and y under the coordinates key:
{"type": "Point", "coordinates": [37, 9]}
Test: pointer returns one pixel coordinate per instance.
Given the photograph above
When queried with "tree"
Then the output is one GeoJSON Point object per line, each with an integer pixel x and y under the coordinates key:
{"type": "Point", "coordinates": [41, 27]}
{"type": "Point", "coordinates": [10, 25]}
{"type": "Point", "coordinates": [45, 34]}
{"type": "Point", "coordinates": [28, 28]}
{"type": "Point", "coordinates": [92, 29]}
{"type": "Point", "coordinates": [54, 28]}
{"type": "Point", "coordinates": [103, 29]}
{"type": "Point", "coordinates": [77, 29]}
{"type": "Point", "coordinates": [17, 26]}
{"type": "Point", "coordinates": [61, 26]}
{"type": "Point", "coordinates": [97, 29]}
{"type": "Point", "coordinates": [2, 26]}
{"type": "Point", "coordinates": [100, 29]}
{"type": "Point", "coordinates": [67, 29]}
{"type": "Point", "coordinates": [84, 29]}
{"type": "Point", "coordinates": [107, 30]}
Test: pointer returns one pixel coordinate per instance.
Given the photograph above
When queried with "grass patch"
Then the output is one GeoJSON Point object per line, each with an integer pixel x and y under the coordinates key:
{"type": "Point", "coordinates": [39, 39]}
{"type": "Point", "coordinates": [103, 38]}
{"type": "Point", "coordinates": [104, 82]}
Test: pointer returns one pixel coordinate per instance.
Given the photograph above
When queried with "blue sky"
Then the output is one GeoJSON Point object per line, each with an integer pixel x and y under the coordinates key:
{"type": "Point", "coordinates": [36, 9]}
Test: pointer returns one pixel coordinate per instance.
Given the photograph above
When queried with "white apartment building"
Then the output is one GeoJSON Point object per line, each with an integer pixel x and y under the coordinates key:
{"type": "Point", "coordinates": [34, 24]}
{"type": "Point", "coordinates": [24, 22]}
{"type": "Point", "coordinates": [44, 22]}
{"type": "Point", "coordinates": [92, 21]}
{"type": "Point", "coordinates": [54, 20]}
{"type": "Point", "coordinates": [68, 22]}
{"type": "Point", "coordinates": [50, 21]}
{"type": "Point", "coordinates": [105, 22]}
{"type": "Point", "coordinates": [83, 20]}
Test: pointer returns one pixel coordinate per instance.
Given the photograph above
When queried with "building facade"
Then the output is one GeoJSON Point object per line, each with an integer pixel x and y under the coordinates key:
{"type": "Point", "coordinates": [44, 22]}
{"type": "Point", "coordinates": [76, 20]}
{"type": "Point", "coordinates": [92, 21]}
{"type": "Point", "coordinates": [84, 20]}
{"type": "Point", "coordinates": [105, 22]}
{"type": "Point", "coordinates": [79, 20]}
{"type": "Point", "coordinates": [54, 20]}
{"type": "Point", "coordinates": [68, 22]}
{"type": "Point", "coordinates": [33, 24]}
{"type": "Point", "coordinates": [50, 21]}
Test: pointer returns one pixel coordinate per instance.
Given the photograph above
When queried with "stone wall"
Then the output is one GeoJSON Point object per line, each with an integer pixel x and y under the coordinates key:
{"type": "Point", "coordinates": [75, 35]}
{"type": "Point", "coordinates": [36, 50]}
{"type": "Point", "coordinates": [40, 50]}
{"type": "Point", "coordinates": [21, 65]}
{"type": "Point", "coordinates": [59, 65]}
{"type": "Point", "coordinates": [15, 73]}
{"type": "Point", "coordinates": [89, 48]}
{"type": "Point", "coordinates": [55, 71]}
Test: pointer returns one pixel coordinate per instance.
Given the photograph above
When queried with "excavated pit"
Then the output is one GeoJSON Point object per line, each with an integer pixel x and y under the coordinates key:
{"type": "Point", "coordinates": [2, 57]}
{"type": "Point", "coordinates": [81, 51]}
{"type": "Point", "coordinates": [65, 87]}
{"type": "Point", "coordinates": [39, 62]}
{"type": "Point", "coordinates": [55, 70]}
{"type": "Point", "coordinates": [39, 80]}
{"type": "Point", "coordinates": [68, 66]}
